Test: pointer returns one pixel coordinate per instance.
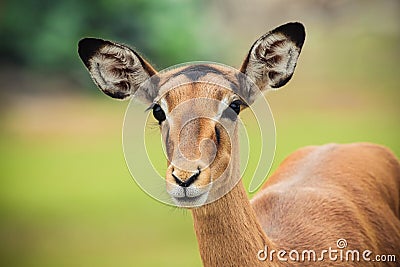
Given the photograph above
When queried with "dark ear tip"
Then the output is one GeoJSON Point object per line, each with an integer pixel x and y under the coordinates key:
{"type": "Point", "coordinates": [87, 48]}
{"type": "Point", "coordinates": [295, 31]}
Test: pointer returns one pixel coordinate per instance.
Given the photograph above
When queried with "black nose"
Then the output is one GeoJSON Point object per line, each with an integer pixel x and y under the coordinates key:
{"type": "Point", "coordinates": [188, 182]}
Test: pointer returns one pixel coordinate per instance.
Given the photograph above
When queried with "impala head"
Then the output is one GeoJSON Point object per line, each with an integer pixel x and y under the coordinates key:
{"type": "Point", "coordinates": [197, 105]}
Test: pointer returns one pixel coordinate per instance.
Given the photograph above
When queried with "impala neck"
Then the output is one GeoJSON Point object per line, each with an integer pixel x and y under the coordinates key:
{"type": "Point", "coordinates": [227, 230]}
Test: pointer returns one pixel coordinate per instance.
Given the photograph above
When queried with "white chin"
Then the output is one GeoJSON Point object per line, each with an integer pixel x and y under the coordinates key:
{"type": "Point", "coordinates": [190, 202]}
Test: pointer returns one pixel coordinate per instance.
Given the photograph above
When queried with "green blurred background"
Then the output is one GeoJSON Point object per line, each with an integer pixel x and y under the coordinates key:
{"type": "Point", "coordinates": [66, 196]}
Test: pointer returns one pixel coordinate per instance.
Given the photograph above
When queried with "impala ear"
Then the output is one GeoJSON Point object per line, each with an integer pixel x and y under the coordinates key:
{"type": "Point", "coordinates": [272, 58]}
{"type": "Point", "coordinates": [116, 69]}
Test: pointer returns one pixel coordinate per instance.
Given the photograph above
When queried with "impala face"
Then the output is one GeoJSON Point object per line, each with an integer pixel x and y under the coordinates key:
{"type": "Point", "coordinates": [196, 106]}
{"type": "Point", "coordinates": [198, 117]}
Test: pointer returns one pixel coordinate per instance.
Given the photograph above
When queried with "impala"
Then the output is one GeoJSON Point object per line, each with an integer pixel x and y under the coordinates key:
{"type": "Point", "coordinates": [318, 195]}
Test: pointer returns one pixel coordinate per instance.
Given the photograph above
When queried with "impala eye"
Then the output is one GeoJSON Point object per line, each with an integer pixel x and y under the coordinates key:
{"type": "Point", "coordinates": [233, 110]}
{"type": "Point", "coordinates": [235, 105]}
{"type": "Point", "coordinates": [158, 113]}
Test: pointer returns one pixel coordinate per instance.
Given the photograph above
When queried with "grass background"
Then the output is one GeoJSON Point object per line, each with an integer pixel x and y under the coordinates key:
{"type": "Point", "coordinates": [67, 198]}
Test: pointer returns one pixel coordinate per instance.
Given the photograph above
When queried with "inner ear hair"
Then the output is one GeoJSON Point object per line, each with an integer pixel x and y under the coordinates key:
{"type": "Point", "coordinates": [272, 59]}
{"type": "Point", "coordinates": [116, 69]}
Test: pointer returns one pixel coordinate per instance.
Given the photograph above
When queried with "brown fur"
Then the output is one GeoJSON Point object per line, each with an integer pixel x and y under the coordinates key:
{"type": "Point", "coordinates": [317, 195]}
{"type": "Point", "coordinates": [321, 194]}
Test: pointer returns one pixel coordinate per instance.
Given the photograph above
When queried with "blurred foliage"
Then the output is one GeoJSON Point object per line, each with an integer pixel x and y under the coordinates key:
{"type": "Point", "coordinates": [43, 34]}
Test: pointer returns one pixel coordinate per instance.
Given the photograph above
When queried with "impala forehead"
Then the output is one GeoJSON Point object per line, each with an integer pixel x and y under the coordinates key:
{"type": "Point", "coordinates": [192, 101]}
{"type": "Point", "coordinates": [189, 75]}
{"type": "Point", "coordinates": [200, 90]}
{"type": "Point", "coordinates": [209, 73]}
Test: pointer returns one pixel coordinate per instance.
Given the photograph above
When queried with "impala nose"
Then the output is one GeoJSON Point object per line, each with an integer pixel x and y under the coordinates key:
{"type": "Point", "coordinates": [188, 181]}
